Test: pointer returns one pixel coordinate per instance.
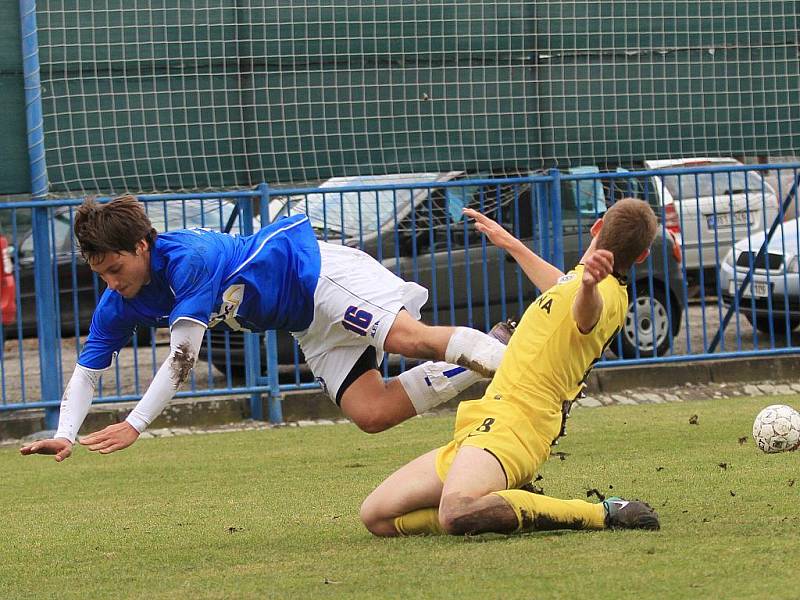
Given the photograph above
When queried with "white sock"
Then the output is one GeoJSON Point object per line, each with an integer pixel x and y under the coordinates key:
{"type": "Point", "coordinates": [433, 383]}
{"type": "Point", "coordinates": [475, 350]}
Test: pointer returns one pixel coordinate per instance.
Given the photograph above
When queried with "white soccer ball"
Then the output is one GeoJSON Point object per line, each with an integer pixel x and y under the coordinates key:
{"type": "Point", "coordinates": [777, 428]}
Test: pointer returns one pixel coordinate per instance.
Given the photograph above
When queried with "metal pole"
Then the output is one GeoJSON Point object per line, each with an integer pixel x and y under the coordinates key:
{"type": "Point", "coordinates": [271, 339]}
{"type": "Point", "coordinates": [555, 214]}
{"type": "Point", "coordinates": [43, 265]}
{"type": "Point", "coordinates": [252, 356]}
{"type": "Point", "coordinates": [33, 98]}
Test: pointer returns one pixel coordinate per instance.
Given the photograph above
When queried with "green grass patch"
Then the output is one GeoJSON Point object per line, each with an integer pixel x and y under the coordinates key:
{"type": "Point", "coordinates": [274, 514]}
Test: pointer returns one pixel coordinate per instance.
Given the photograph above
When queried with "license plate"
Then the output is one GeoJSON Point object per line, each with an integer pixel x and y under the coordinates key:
{"type": "Point", "coordinates": [724, 219]}
{"type": "Point", "coordinates": [752, 289]}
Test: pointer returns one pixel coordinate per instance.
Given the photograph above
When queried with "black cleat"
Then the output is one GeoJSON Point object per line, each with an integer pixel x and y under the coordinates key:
{"type": "Point", "coordinates": [503, 331]}
{"type": "Point", "coordinates": [629, 514]}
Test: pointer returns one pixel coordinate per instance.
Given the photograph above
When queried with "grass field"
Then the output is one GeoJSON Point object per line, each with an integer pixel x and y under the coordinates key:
{"type": "Point", "coordinates": [273, 514]}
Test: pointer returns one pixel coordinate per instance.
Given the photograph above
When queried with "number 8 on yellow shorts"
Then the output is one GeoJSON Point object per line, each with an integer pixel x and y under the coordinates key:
{"type": "Point", "coordinates": [501, 428]}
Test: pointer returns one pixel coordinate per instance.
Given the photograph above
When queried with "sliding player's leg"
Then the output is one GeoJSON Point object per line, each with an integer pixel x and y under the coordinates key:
{"type": "Point", "coordinates": [414, 489]}
{"type": "Point", "coordinates": [497, 440]}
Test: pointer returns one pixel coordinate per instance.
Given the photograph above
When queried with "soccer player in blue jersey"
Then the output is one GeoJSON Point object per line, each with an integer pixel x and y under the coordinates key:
{"type": "Point", "coordinates": [343, 307]}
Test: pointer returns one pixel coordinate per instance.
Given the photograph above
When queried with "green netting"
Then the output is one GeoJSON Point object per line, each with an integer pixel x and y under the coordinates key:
{"type": "Point", "coordinates": [146, 95]}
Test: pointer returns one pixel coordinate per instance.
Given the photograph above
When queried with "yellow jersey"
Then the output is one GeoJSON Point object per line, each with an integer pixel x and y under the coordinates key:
{"type": "Point", "coordinates": [548, 358]}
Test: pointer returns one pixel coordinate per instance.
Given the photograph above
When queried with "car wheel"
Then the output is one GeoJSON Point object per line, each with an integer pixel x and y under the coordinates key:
{"type": "Point", "coordinates": [778, 323]}
{"type": "Point", "coordinates": [646, 331]}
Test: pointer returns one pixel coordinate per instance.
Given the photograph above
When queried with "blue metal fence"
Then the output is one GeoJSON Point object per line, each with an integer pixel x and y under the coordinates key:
{"type": "Point", "coordinates": [713, 265]}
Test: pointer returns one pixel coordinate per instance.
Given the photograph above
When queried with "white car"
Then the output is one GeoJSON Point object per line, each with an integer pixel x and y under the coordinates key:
{"type": "Point", "coordinates": [710, 211]}
{"type": "Point", "coordinates": [771, 299]}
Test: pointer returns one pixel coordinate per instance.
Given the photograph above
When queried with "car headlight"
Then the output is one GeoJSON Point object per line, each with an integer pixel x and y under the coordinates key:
{"type": "Point", "coordinates": [793, 266]}
{"type": "Point", "coordinates": [729, 258]}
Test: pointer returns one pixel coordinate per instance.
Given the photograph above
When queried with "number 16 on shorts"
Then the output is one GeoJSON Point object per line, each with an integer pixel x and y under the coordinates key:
{"type": "Point", "coordinates": [356, 320]}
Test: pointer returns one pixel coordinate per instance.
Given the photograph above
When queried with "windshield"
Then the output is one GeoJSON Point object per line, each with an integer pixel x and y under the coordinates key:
{"type": "Point", "coordinates": [61, 230]}
{"type": "Point", "coordinates": [706, 185]}
{"type": "Point", "coordinates": [358, 212]}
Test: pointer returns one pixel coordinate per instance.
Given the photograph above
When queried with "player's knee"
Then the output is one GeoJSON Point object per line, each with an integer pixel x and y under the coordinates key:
{"type": "Point", "coordinates": [372, 413]}
{"type": "Point", "coordinates": [454, 517]}
{"type": "Point", "coordinates": [370, 422]}
{"type": "Point", "coordinates": [450, 523]}
{"type": "Point", "coordinates": [376, 523]}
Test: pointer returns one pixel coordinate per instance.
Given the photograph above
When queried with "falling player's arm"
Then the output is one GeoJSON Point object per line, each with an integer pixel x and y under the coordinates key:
{"type": "Point", "coordinates": [185, 340]}
{"type": "Point", "coordinates": [186, 337]}
{"type": "Point", "coordinates": [75, 405]}
{"type": "Point", "coordinates": [588, 305]}
{"type": "Point", "coordinates": [541, 273]}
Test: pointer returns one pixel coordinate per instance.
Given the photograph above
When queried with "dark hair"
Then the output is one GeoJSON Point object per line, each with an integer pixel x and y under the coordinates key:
{"type": "Point", "coordinates": [113, 227]}
{"type": "Point", "coordinates": [629, 228]}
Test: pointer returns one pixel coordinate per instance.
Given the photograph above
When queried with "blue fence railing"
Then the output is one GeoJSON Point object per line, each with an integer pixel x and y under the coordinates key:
{"type": "Point", "coordinates": [722, 279]}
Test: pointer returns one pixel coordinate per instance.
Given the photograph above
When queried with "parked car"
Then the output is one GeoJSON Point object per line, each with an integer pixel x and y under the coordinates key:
{"type": "Point", "coordinates": [470, 281]}
{"type": "Point", "coordinates": [78, 287]}
{"type": "Point", "coordinates": [771, 299]}
{"type": "Point", "coordinates": [709, 211]}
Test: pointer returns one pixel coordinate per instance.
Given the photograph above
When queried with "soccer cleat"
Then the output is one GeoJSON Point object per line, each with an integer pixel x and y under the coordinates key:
{"type": "Point", "coordinates": [629, 514]}
{"type": "Point", "coordinates": [503, 331]}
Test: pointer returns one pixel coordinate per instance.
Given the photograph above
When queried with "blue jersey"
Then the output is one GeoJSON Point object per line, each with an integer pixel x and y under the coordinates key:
{"type": "Point", "coordinates": [258, 282]}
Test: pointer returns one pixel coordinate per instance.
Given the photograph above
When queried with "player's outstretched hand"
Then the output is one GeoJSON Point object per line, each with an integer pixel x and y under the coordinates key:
{"type": "Point", "coordinates": [112, 438]}
{"type": "Point", "coordinates": [597, 266]}
{"type": "Point", "coordinates": [60, 447]}
{"type": "Point", "coordinates": [491, 229]}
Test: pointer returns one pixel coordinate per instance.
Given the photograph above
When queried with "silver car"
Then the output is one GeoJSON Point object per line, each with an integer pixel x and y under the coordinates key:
{"type": "Point", "coordinates": [771, 299]}
{"type": "Point", "coordinates": [711, 210]}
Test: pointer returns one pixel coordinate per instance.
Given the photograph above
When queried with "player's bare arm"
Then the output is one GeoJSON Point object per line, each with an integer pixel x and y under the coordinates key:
{"type": "Point", "coordinates": [588, 304]}
{"type": "Point", "coordinates": [541, 273]}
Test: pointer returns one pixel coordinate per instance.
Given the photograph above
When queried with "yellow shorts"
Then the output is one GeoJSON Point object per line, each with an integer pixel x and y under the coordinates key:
{"type": "Point", "coordinates": [500, 428]}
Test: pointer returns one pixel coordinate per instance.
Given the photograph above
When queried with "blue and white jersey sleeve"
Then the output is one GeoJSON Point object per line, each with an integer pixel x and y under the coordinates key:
{"type": "Point", "coordinates": [112, 326]}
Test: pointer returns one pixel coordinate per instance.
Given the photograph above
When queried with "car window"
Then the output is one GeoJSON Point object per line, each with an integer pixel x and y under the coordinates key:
{"type": "Point", "coordinates": [705, 185]}
{"type": "Point", "coordinates": [436, 213]}
{"type": "Point", "coordinates": [189, 214]}
{"type": "Point", "coordinates": [640, 188]}
{"type": "Point", "coordinates": [62, 233]}
{"type": "Point", "coordinates": [586, 196]}
{"type": "Point", "coordinates": [582, 200]}
{"type": "Point", "coordinates": [432, 218]}
{"type": "Point", "coordinates": [354, 213]}
{"type": "Point", "coordinates": [459, 198]}
{"type": "Point", "coordinates": [357, 213]}
{"type": "Point", "coordinates": [61, 236]}
{"type": "Point", "coordinates": [26, 247]}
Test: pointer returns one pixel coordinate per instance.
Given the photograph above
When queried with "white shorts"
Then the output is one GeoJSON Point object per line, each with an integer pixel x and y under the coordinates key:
{"type": "Point", "coordinates": [355, 304]}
